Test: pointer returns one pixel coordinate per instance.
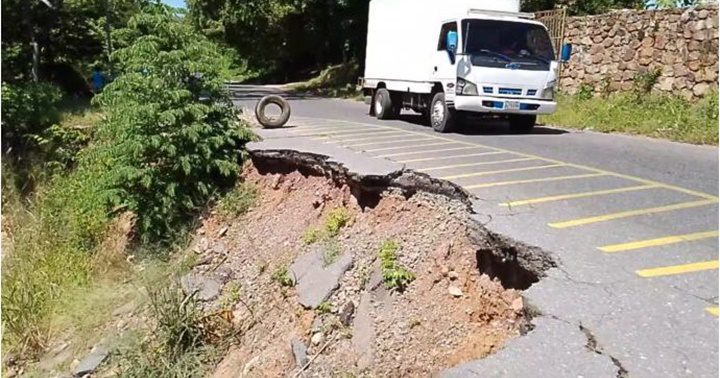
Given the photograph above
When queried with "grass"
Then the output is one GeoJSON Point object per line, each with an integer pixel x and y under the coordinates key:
{"type": "Point", "coordinates": [324, 308]}
{"type": "Point", "coordinates": [281, 275]}
{"type": "Point", "coordinates": [335, 220]}
{"type": "Point", "coordinates": [239, 200]}
{"type": "Point", "coordinates": [653, 115]}
{"type": "Point", "coordinates": [334, 81]}
{"type": "Point", "coordinates": [394, 276]}
{"type": "Point", "coordinates": [312, 235]}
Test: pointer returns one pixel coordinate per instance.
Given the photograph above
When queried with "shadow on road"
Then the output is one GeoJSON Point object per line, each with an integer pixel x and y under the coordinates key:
{"type": "Point", "coordinates": [478, 126]}
{"type": "Point", "coordinates": [242, 92]}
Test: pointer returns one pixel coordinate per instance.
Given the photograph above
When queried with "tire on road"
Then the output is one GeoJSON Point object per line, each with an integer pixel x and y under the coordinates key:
{"type": "Point", "coordinates": [442, 117]}
{"type": "Point", "coordinates": [383, 105]}
{"type": "Point", "coordinates": [271, 122]}
{"type": "Point", "coordinates": [522, 123]}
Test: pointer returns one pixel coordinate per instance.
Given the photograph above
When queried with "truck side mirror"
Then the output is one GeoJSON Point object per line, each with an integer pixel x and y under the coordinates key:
{"type": "Point", "coordinates": [451, 45]}
{"type": "Point", "coordinates": [566, 52]}
{"type": "Point", "coordinates": [452, 41]}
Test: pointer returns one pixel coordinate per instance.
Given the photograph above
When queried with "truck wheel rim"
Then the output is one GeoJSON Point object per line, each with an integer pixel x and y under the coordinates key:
{"type": "Point", "coordinates": [438, 113]}
{"type": "Point", "coordinates": [378, 104]}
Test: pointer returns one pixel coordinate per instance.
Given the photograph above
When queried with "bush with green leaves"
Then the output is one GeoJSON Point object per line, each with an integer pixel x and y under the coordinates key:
{"type": "Point", "coordinates": [395, 276]}
{"type": "Point", "coordinates": [28, 109]}
{"type": "Point", "coordinates": [171, 132]}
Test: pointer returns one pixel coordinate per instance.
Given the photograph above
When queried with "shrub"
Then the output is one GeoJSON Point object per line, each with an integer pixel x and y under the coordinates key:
{"type": "Point", "coordinates": [171, 132]}
{"type": "Point", "coordinates": [28, 109]}
{"type": "Point", "coordinates": [394, 276]}
{"type": "Point", "coordinates": [239, 200]}
{"type": "Point", "coordinates": [335, 220]}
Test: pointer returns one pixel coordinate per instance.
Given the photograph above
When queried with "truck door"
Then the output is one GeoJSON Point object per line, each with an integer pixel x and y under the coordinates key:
{"type": "Point", "coordinates": [444, 69]}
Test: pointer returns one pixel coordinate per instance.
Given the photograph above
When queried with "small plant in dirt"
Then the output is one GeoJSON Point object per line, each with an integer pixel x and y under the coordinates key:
{"type": "Point", "coordinates": [337, 219]}
{"type": "Point", "coordinates": [395, 276]}
{"type": "Point", "coordinates": [312, 235]}
{"type": "Point", "coordinates": [239, 200]}
{"type": "Point", "coordinates": [331, 252]}
{"type": "Point", "coordinates": [281, 275]}
{"type": "Point", "coordinates": [324, 308]}
{"type": "Point", "coordinates": [182, 342]}
{"type": "Point", "coordinates": [231, 295]}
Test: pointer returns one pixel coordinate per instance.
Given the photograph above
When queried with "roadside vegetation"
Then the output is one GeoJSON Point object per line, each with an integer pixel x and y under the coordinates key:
{"type": "Point", "coordinates": [334, 81]}
{"type": "Point", "coordinates": [84, 192]}
{"type": "Point", "coordinates": [640, 112]}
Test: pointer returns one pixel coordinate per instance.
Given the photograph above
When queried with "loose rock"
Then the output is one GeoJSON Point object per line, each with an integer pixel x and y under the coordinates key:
{"type": "Point", "coordinates": [346, 315]}
{"type": "Point", "coordinates": [92, 361]}
{"type": "Point", "coordinates": [207, 288]}
{"type": "Point", "coordinates": [300, 352]}
{"type": "Point", "coordinates": [455, 291]}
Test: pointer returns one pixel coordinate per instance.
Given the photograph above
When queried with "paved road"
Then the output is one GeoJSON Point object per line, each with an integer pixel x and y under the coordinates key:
{"type": "Point", "coordinates": [633, 223]}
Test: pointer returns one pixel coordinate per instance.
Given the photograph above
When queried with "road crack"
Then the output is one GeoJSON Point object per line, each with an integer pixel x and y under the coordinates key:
{"type": "Point", "coordinates": [593, 346]}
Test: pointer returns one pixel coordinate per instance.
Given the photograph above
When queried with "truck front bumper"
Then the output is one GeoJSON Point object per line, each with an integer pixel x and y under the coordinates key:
{"type": "Point", "coordinates": [483, 104]}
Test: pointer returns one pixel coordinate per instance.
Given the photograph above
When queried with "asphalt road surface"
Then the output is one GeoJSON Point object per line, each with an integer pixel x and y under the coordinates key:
{"type": "Point", "coordinates": [633, 223]}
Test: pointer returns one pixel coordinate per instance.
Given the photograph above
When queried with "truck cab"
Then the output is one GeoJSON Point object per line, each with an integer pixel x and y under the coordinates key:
{"type": "Point", "coordinates": [483, 62]}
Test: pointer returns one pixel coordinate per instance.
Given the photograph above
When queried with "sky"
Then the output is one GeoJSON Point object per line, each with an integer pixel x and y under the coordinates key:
{"type": "Point", "coordinates": [175, 3]}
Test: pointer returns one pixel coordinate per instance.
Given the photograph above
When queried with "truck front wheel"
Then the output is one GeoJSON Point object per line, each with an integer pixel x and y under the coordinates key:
{"type": "Point", "coordinates": [382, 105]}
{"type": "Point", "coordinates": [522, 123]}
{"type": "Point", "coordinates": [442, 118]}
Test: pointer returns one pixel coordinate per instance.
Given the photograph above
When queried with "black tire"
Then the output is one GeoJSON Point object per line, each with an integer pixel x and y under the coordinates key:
{"type": "Point", "coordinates": [383, 105]}
{"type": "Point", "coordinates": [522, 123]}
{"type": "Point", "coordinates": [267, 122]}
{"type": "Point", "coordinates": [446, 123]}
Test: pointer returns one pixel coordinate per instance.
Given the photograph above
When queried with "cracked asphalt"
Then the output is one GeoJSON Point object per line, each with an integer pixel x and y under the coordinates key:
{"type": "Point", "coordinates": [632, 223]}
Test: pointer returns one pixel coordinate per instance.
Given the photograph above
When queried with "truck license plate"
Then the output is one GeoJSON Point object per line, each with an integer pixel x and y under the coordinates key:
{"type": "Point", "coordinates": [512, 105]}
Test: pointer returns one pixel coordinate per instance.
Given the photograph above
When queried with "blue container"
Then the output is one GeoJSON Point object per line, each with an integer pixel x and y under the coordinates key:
{"type": "Point", "coordinates": [566, 52]}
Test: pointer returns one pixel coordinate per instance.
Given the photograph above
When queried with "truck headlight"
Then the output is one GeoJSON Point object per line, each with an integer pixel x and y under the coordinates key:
{"type": "Point", "coordinates": [465, 87]}
{"type": "Point", "coordinates": [548, 93]}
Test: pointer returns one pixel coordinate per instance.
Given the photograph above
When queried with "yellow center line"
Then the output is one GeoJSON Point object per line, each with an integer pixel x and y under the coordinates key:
{"type": "Point", "coordinates": [630, 213]}
{"type": "Point", "coordinates": [529, 181]}
{"type": "Point", "coordinates": [576, 195]}
{"type": "Point", "coordinates": [658, 242]}
{"type": "Point", "coordinates": [597, 170]}
{"type": "Point", "coordinates": [678, 269]}
{"type": "Point", "coordinates": [450, 157]}
{"type": "Point", "coordinates": [715, 311]}
{"type": "Point", "coordinates": [410, 146]}
{"type": "Point", "coordinates": [473, 164]}
{"type": "Point", "coordinates": [485, 173]}
{"type": "Point", "coordinates": [428, 151]}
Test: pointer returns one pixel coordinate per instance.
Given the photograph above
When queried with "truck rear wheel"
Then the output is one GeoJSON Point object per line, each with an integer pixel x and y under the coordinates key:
{"type": "Point", "coordinates": [383, 105]}
{"type": "Point", "coordinates": [522, 123]}
{"type": "Point", "coordinates": [442, 118]}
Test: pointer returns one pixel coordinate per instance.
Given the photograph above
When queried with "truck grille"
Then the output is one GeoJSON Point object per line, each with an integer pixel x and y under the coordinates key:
{"type": "Point", "coordinates": [510, 91]}
{"type": "Point", "coordinates": [488, 90]}
{"type": "Point", "coordinates": [531, 92]}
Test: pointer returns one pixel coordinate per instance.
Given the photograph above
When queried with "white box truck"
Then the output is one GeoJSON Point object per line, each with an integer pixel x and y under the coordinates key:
{"type": "Point", "coordinates": [448, 58]}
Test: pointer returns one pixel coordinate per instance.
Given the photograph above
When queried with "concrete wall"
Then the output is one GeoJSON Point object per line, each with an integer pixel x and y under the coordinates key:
{"type": "Point", "coordinates": [609, 50]}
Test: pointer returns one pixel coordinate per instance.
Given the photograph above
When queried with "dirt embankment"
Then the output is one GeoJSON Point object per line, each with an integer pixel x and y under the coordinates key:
{"type": "Point", "coordinates": [309, 289]}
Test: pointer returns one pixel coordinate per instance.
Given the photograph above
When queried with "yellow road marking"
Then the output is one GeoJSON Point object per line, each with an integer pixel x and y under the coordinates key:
{"type": "Point", "coordinates": [342, 132]}
{"type": "Point", "coordinates": [450, 157]}
{"type": "Point", "coordinates": [428, 151]}
{"type": "Point", "coordinates": [383, 135]}
{"type": "Point", "coordinates": [597, 170]}
{"type": "Point", "coordinates": [678, 269]}
{"type": "Point", "coordinates": [630, 213]}
{"type": "Point", "coordinates": [473, 164]}
{"type": "Point", "coordinates": [528, 181]}
{"type": "Point", "coordinates": [410, 146]}
{"type": "Point", "coordinates": [485, 173]}
{"type": "Point", "coordinates": [713, 310]}
{"type": "Point", "coordinates": [379, 143]}
{"type": "Point", "coordinates": [659, 241]}
{"type": "Point", "coordinates": [343, 137]}
{"type": "Point", "coordinates": [576, 195]}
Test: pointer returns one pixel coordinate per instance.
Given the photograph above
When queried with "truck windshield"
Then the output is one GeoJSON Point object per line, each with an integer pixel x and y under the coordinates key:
{"type": "Point", "coordinates": [507, 44]}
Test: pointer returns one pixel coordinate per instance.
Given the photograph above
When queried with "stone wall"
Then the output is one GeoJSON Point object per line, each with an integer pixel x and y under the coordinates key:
{"type": "Point", "coordinates": [609, 50]}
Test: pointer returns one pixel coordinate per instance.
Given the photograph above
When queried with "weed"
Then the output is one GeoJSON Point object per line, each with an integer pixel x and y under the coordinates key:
{"type": "Point", "coordinates": [656, 115]}
{"type": "Point", "coordinates": [394, 276]}
{"type": "Point", "coordinates": [324, 308]}
{"type": "Point", "coordinates": [585, 92]}
{"type": "Point", "coordinates": [231, 295]}
{"type": "Point", "coordinates": [331, 252]}
{"type": "Point", "coordinates": [281, 275]}
{"type": "Point", "coordinates": [335, 220]}
{"type": "Point", "coordinates": [239, 200]}
{"type": "Point", "coordinates": [644, 81]}
{"type": "Point", "coordinates": [312, 235]}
